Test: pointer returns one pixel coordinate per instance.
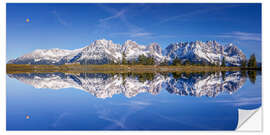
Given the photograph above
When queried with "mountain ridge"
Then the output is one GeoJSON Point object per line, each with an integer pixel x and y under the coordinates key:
{"type": "Point", "coordinates": [105, 51]}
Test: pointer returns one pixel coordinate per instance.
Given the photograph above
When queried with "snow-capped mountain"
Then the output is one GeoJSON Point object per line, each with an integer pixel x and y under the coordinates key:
{"type": "Point", "coordinates": [107, 85]}
{"type": "Point", "coordinates": [105, 51]}
{"type": "Point", "coordinates": [205, 52]}
{"type": "Point", "coordinates": [132, 50]}
{"type": "Point", "coordinates": [99, 52]}
{"type": "Point", "coordinates": [51, 56]}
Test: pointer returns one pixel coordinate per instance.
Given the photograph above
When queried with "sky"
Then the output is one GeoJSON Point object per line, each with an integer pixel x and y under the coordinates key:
{"type": "Point", "coordinates": [72, 26]}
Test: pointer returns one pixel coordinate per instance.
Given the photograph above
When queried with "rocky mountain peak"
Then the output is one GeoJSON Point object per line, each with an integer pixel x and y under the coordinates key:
{"type": "Point", "coordinates": [103, 51]}
{"type": "Point", "coordinates": [130, 44]}
{"type": "Point", "coordinates": [154, 47]}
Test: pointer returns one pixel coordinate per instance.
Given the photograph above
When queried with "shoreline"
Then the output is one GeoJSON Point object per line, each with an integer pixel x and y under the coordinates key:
{"type": "Point", "coordinates": [107, 68]}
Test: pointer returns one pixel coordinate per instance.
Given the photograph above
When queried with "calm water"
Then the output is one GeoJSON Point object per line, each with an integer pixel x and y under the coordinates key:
{"type": "Point", "coordinates": [58, 101]}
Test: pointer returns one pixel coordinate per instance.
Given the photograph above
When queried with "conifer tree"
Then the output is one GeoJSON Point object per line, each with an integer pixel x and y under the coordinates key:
{"type": "Point", "coordinates": [176, 61]}
{"type": "Point", "coordinates": [223, 63]}
{"type": "Point", "coordinates": [252, 61]}
{"type": "Point", "coordinates": [243, 64]}
{"type": "Point", "coordinates": [124, 61]}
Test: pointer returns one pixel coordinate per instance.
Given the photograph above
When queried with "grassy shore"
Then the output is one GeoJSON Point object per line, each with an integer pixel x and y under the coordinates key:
{"type": "Point", "coordinates": [107, 68]}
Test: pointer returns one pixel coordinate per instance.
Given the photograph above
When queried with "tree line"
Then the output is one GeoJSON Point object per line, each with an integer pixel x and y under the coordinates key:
{"type": "Point", "coordinates": [251, 63]}
{"type": "Point", "coordinates": [144, 60]}
{"type": "Point", "coordinates": [141, 60]}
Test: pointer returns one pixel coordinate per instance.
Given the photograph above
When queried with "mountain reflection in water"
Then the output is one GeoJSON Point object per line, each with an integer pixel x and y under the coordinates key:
{"type": "Point", "coordinates": [130, 84]}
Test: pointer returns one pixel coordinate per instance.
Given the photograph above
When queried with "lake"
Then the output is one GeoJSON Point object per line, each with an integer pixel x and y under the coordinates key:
{"type": "Point", "coordinates": [129, 101]}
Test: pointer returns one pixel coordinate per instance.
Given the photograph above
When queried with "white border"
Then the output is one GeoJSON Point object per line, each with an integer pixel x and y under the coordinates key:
{"type": "Point", "coordinates": [251, 117]}
{"type": "Point", "coordinates": [265, 55]}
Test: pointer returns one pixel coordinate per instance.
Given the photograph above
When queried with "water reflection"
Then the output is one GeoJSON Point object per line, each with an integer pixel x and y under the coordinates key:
{"type": "Point", "coordinates": [130, 84]}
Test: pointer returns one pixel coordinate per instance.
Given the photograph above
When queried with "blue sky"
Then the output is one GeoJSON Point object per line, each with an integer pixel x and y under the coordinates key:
{"type": "Point", "coordinates": [72, 26]}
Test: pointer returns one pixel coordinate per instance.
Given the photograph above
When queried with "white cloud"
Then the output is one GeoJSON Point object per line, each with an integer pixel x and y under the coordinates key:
{"type": "Point", "coordinates": [131, 31]}
{"type": "Point", "coordinates": [114, 16]}
{"type": "Point", "coordinates": [132, 34]}
{"type": "Point", "coordinates": [241, 36]}
{"type": "Point", "coordinates": [140, 34]}
{"type": "Point", "coordinates": [192, 13]}
{"type": "Point", "coordinates": [60, 19]}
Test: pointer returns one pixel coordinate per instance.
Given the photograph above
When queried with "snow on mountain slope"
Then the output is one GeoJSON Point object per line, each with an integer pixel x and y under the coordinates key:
{"type": "Point", "coordinates": [101, 51]}
{"type": "Point", "coordinates": [132, 51]}
{"type": "Point", "coordinates": [105, 51]}
{"type": "Point", "coordinates": [46, 56]}
{"type": "Point", "coordinates": [233, 55]}
{"type": "Point", "coordinates": [156, 52]}
{"type": "Point", "coordinates": [207, 52]}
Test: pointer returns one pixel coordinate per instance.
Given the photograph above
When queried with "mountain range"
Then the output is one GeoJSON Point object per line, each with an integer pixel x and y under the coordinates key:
{"type": "Point", "coordinates": [107, 85]}
{"type": "Point", "coordinates": [105, 51]}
